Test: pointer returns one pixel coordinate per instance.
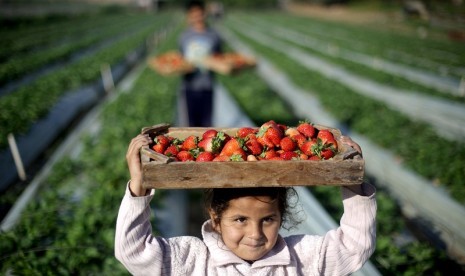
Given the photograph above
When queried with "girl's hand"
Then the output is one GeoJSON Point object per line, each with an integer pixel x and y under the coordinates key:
{"type": "Point", "coordinates": [134, 163]}
{"type": "Point", "coordinates": [348, 141]}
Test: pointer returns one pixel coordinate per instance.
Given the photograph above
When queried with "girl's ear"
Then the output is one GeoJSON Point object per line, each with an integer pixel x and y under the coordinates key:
{"type": "Point", "coordinates": [214, 219]}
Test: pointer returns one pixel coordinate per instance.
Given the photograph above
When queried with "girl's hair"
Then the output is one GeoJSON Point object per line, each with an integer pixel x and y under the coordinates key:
{"type": "Point", "coordinates": [217, 200]}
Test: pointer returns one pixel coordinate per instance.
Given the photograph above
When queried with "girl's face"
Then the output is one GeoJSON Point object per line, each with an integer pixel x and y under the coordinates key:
{"type": "Point", "coordinates": [250, 226]}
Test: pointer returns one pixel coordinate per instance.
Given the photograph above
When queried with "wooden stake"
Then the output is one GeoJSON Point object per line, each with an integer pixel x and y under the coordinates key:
{"type": "Point", "coordinates": [107, 78]}
{"type": "Point", "coordinates": [462, 87]}
{"type": "Point", "coordinates": [16, 157]}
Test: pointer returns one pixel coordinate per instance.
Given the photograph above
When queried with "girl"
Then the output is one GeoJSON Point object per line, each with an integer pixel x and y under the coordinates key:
{"type": "Point", "coordinates": [242, 235]}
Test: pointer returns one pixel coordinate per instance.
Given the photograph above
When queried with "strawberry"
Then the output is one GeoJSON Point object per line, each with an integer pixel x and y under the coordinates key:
{"type": "Point", "coordinates": [314, 158]}
{"type": "Point", "coordinates": [221, 158]}
{"type": "Point", "coordinates": [253, 146]}
{"type": "Point", "coordinates": [251, 157]}
{"type": "Point", "coordinates": [327, 153]}
{"type": "Point", "coordinates": [306, 129]}
{"type": "Point", "coordinates": [213, 143]}
{"type": "Point", "coordinates": [185, 155]}
{"type": "Point", "coordinates": [239, 155]}
{"type": "Point", "coordinates": [190, 142]}
{"type": "Point", "coordinates": [327, 138]}
{"type": "Point", "coordinates": [232, 146]}
{"type": "Point", "coordinates": [300, 139]}
{"type": "Point", "coordinates": [205, 156]}
{"type": "Point", "coordinates": [162, 139]}
{"type": "Point", "coordinates": [276, 158]}
{"type": "Point", "coordinates": [209, 133]}
{"type": "Point", "coordinates": [269, 136]}
{"type": "Point", "coordinates": [291, 132]}
{"type": "Point", "coordinates": [309, 147]}
{"type": "Point", "coordinates": [171, 151]}
{"type": "Point", "coordinates": [303, 156]}
{"type": "Point", "coordinates": [245, 131]}
{"type": "Point", "coordinates": [287, 144]}
{"type": "Point", "coordinates": [288, 155]}
{"type": "Point", "coordinates": [161, 143]}
{"type": "Point", "coordinates": [268, 154]}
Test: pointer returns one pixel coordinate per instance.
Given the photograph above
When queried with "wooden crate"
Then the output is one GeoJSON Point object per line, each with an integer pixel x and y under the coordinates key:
{"type": "Point", "coordinates": [170, 63]}
{"type": "Point", "coordinates": [229, 63]}
{"type": "Point", "coordinates": [161, 172]}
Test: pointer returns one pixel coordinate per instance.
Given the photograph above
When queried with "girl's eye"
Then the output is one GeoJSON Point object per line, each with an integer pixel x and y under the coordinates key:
{"type": "Point", "coordinates": [241, 220]}
{"type": "Point", "coordinates": [269, 219]}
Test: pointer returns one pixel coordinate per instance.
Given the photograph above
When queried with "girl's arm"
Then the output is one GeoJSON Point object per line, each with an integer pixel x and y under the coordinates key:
{"type": "Point", "coordinates": [136, 247]}
{"type": "Point", "coordinates": [345, 249]}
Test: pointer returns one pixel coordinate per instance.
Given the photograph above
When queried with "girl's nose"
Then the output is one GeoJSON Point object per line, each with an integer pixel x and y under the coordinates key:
{"type": "Point", "coordinates": [256, 231]}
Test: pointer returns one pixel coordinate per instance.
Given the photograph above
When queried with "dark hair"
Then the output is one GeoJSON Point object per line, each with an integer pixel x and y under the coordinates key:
{"type": "Point", "coordinates": [217, 200]}
{"type": "Point", "coordinates": [195, 4]}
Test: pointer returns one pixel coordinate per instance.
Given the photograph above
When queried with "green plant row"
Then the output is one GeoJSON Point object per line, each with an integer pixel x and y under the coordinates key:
{"type": "Point", "coordinates": [69, 228]}
{"type": "Point", "coordinates": [390, 258]}
{"type": "Point", "coordinates": [416, 144]}
{"type": "Point", "coordinates": [21, 65]}
{"type": "Point", "coordinates": [390, 44]}
{"type": "Point", "coordinates": [33, 37]}
{"type": "Point", "coordinates": [29, 103]}
{"type": "Point", "coordinates": [364, 70]}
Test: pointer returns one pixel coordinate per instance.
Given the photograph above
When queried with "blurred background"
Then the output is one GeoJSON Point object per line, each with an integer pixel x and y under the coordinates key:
{"type": "Point", "coordinates": [75, 88]}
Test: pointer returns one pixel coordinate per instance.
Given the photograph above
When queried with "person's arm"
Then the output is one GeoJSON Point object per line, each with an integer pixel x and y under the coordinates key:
{"type": "Point", "coordinates": [135, 247]}
{"type": "Point", "coordinates": [345, 249]}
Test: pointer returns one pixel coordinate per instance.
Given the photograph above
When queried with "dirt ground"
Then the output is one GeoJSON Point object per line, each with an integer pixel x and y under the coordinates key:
{"type": "Point", "coordinates": [435, 27]}
{"type": "Point", "coordinates": [340, 13]}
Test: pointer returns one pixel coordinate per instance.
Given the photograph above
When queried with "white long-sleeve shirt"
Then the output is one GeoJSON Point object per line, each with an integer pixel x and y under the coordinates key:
{"type": "Point", "coordinates": [340, 251]}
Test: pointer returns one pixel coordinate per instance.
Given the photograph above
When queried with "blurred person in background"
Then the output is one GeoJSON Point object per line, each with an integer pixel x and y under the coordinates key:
{"type": "Point", "coordinates": [197, 89]}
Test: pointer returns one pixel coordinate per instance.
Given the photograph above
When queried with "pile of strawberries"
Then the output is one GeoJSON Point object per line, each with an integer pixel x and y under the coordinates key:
{"type": "Point", "coordinates": [270, 141]}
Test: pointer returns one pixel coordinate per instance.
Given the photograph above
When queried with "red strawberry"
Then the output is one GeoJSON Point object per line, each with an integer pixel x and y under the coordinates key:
{"type": "Point", "coordinates": [303, 156]}
{"type": "Point", "coordinates": [233, 145]}
{"type": "Point", "coordinates": [209, 133]}
{"type": "Point", "coordinates": [306, 129]}
{"type": "Point", "coordinates": [276, 158]}
{"type": "Point", "coordinates": [314, 158]}
{"type": "Point", "coordinates": [205, 156]}
{"type": "Point", "coordinates": [327, 154]}
{"type": "Point", "coordinates": [253, 146]}
{"type": "Point", "coordinates": [171, 151]}
{"type": "Point", "coordinates": [190, 142]}
{"type": "Point", "coordinates": [211, 144]}
{"type": "Point", "coordinates": [185, 155]}
{"type": "Point", "coordinates": [159, 148]}
{"type": "Point", "coordinates": [221, 158]}
{"type": "Point", "coordinates": [287, 144]}
{"type": "Point", "coordinates": [239, 155]}
{"type": "Point", "coordinates": [300, 139]}
{"type": "Point", "coordinates": [269, 136]}
{"type": "Point", "coordinates": [309, 147]}
{"type": "Point", "coordinates": [162, 139]}
{"type": "Point", "coordinates": [327, 138]}
{"type": "Point", "coordinates": [245, 131]}
{"type": "Point", "coordinates": [161, 143]}
{"type": "Point", "coordinates": [289, 155]}
{"type": "Point", "coordinates": [268, 154]}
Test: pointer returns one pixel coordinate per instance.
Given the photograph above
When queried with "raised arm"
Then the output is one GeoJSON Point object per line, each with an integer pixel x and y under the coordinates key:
{"type": "Point", "coordinates": [135, 247]}
{"type": "Point", "coordinates": [345, 249]}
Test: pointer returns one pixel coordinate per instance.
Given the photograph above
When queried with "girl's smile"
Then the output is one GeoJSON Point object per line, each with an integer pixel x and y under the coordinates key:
{"type": "Point", "coordinates": [249, 226]}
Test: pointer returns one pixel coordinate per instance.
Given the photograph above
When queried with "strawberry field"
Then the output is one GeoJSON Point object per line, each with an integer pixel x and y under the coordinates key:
{"type": "Point", "coordinates": [69, 226]}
